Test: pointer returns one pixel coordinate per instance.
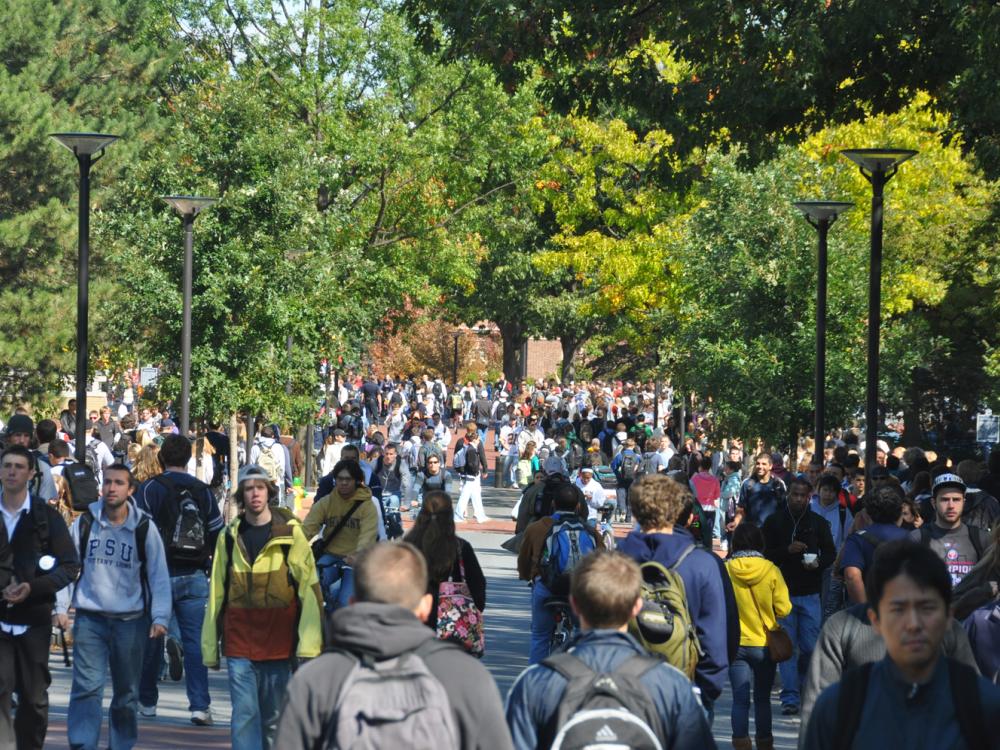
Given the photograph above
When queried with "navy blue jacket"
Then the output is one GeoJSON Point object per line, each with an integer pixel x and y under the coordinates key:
{"type": "Point", "coordinates": [152, 495]}
{"type": "Point", "coordinates": [706, 598]}
{"type": "Point", "coordinates": [534, 698]}
{"type": "Point", "coordinates": [899, 714]}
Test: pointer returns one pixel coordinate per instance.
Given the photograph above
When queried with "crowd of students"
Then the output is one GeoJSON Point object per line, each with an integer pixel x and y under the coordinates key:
{"type": "Point", "coordinates": [849, 591]}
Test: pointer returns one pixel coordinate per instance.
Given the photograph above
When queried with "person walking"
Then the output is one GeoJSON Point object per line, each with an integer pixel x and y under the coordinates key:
{"type": "Point", "coordinates": [264, 605]}
{"type": "Point", "coordinates": [470, 465]}
{"type": "Point", "coordinates": [44, 560]}
{"type": "Point", "coordinates": [448, 556]}
{"type": "Point", "coordinates": [390, 683]}
{"type": "Point", "coordinates": [122, 599]}
{"type": "Point", "coordinates": [799, 542]}
{"type": "Point", "coordinates": [762, 599]}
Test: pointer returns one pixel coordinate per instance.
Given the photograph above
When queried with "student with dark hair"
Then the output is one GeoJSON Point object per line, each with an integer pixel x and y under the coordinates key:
{"type": "Point", "coordinates": [166, 497]}
{"type": "Point", "coordinates": [449, 557]}
{"type": "Point", "coordinates": [884, 506]}
{"type": "Point", "coordinates": [913, 698]}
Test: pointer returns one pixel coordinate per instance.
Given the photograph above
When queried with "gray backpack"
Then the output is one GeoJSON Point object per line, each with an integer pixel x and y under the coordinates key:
{"type": "Point", "coordinates": [393, 703]}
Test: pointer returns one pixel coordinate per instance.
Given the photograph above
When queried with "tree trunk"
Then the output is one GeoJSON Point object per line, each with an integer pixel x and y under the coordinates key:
{"type": "Point", "coordinates": [513, 342]}
{"type": "Point", "coordinates": [570, 345]}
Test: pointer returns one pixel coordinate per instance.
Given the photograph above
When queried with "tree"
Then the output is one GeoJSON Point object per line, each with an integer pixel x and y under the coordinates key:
{"type": "Point", "coordinates": [55, 77]}
{"type": "Point", "coordinates": [747, 322]}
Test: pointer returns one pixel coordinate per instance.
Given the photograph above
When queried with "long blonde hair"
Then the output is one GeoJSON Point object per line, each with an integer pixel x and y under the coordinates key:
{"type": "Point", "coordinates": [147, 463]}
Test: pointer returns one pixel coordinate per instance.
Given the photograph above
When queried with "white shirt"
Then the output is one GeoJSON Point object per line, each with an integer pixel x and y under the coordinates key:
{"type": "Point", "coordinates": [10, 521]}
{"type": "Point", "coordinates": [595, 495]}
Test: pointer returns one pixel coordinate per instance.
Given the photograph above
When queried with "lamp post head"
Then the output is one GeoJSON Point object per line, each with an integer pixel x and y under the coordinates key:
{"type": "Point", "coordinates": [189, 205]}
{"type": "Point", "coordinates": [822, 211]}
{"type": "Point", "coordinates": [84, 144]}
{"type": "Point", "coordinates": [878, 159]}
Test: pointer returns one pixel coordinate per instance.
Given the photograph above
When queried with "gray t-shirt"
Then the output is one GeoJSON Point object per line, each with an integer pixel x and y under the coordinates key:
{"type": "Point", "coordinates": [954, 546]}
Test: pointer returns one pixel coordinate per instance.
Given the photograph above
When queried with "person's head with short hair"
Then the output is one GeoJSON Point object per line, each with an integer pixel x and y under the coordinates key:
{"type": "Point", "coordinates": [175, 451]}
{"type": "Point", "coordinates": [828, 488]}
{"type": "Point", "coordinates": [884, 505]}
{"type": "Point", "coordinates": [58, 451]}
{"type": "Point", "coordinates": [350, 452]}
{"type": "Point", "coordinates": [630, 444]}
{"type": "Point", "coordinates": [427, 435]}
{"type": "Point", "coordinates": [799, 494]}
{"type": "Point", "coordinates": [17, 468]}
{"type": "Point", "coordinates": [605, 590]}
{"type": "Point", "coordinates": [705, 464]}
{"type": "Point", "coordinates": [731, 467]}
{"type": "Point", "coordinates": [393, 573]}
{"type": "Point", "coordinates": [762, 465]}
{"type": "Point", "coordinates": [747, 537]}
{"type": "Point", "coordinates": [565, 497]}
{"type": "Point", "coordinates": [657, 501]}
{"type": "Point", "coordinates": [908, 588]}
{"type": "Point", "coordinates": [46, 431]}
{"type": "Point", "coordinates": [118, 485]}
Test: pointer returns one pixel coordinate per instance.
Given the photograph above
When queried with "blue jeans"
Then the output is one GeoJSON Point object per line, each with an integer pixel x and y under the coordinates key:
{"type": "Point", "coordinates": [190, 596]}
{"type": "Point", "coordinates": [831, 593]}
{"type": "Point", "coordinates": [336, 580]}
{"type": "Point", "coordinates": [802, 625]}
{"type": "Point", "coordinates": [543, 623]}
{"type": "Point", "coordinates": [98, 642]}
{"type": "Point", "coordinates": [752, 665]}
{"type": "Point", "coordinates": [257, 689]}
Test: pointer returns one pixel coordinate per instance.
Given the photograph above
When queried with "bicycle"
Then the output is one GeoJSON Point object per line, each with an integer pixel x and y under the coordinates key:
{"type": "Point", "coordinates": [604, 527]}
{"type": "Point", "coordinates": [564, 627]}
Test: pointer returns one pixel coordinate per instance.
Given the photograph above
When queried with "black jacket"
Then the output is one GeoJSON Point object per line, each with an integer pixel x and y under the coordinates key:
{"type": "Point", "coordinates": [780, 530]}
{"type": "Point", "coordinates": [384, 631]}
{"type": "Point", "coordinates": [41, 532]}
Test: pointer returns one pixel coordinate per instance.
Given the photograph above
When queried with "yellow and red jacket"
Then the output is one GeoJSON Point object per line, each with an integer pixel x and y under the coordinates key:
{"type": "Point", "coordinates": [273, 608]}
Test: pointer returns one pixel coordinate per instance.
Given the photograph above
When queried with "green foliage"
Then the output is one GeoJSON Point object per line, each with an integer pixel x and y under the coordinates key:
{"type": "Point", "coordinates": [65, 66]}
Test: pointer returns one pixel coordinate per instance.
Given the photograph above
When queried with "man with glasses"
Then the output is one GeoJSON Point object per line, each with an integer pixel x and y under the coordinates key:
{"type": "Point", "coordinates": [346, 520]}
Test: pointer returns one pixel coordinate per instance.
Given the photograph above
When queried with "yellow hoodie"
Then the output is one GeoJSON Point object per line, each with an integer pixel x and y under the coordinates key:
{"type": "Point", "coordinates": [769, 590]}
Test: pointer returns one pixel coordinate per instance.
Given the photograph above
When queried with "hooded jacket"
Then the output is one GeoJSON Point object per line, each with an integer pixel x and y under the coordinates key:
{"type": "Point", "coordinates": [111, 581]}
{"type": "Point", "coordinates": [761, 595]}
{"type": "Point", "coordinates": [267, 615]}
{"type": "Point", "coordinates": [385, 631]}
{"type": "Point", "coordinates": [535, 696]}
{"type": "Point", "coordinates": [359, 531]}
{"type": "Point", "coordinates": [705, 593]}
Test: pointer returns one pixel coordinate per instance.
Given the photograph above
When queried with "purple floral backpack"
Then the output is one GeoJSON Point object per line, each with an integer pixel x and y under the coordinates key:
{"type": "Point", "coordinates": [458, 619]}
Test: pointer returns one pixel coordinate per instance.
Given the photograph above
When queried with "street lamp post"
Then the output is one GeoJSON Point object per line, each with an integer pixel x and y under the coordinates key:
{"type": "Point", "coordinates": [877, 165]}
{"type": "Point", "coordinates": [454, 369]}
{"type": "Point", "coordinates": [821, 215]}
{"type": "Point", "coordinates": [84, 147]}
{"type": "Point", "coordinates": [188, 206]}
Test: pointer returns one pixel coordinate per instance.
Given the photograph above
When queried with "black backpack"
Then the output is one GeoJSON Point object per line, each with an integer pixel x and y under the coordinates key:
{"type": "Point", "coordinates": [964, 696]}
{"type": "Point", "coordinates": [141, 532]}
{"type": "Point", "coordinates": [471, 468]}
{"type": "Point", "coordinates": [628, 470]}
{"type": "Point", "coordinates": [182, 525]}
{"type": "Point", "coordinates": [609, 709]}
{"type": "Point", "coordinates": [82, 484]}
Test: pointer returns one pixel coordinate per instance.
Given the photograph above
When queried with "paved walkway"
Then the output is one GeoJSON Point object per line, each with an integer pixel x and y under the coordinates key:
{"type": "Point", "coordinates": [508, 622]}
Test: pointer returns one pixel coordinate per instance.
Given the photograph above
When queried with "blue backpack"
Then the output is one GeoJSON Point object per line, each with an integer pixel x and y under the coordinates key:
{"type": "Point", "coordinates": [568, 542]}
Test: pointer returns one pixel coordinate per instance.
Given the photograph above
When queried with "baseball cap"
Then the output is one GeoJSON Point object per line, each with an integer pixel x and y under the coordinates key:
{"type": "Point", "coordinates": [252, 471]}
{"type": "Point", "coordinates": [20, 423]}
{"type": "Point", "coordinates": [944, 481]}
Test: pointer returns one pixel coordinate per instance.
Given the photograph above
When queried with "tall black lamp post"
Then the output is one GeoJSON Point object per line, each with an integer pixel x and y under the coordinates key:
{"type": "Point", "coordinates": [188, 206]}
{"type": "Point", "coordinates": [821, 215]}
{"type": "Point", "coordinates": [454, 369]}
{"type": "Point", "coordinates": [84, 147]}
{"type": "Point", "coordinates": [878, 165]}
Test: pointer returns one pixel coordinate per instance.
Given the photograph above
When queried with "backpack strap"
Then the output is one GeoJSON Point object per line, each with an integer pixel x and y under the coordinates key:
{"type": "Point", "coordinates": [41, 520]}
{"type": "Point", "coordinates": [141, 533]}
{"type": "Point", "coordinates": [925, 535]}
{"type": "Point", "coordinates": [569, 666]}
{"type": "Point", "coordinates": [968, 706]}
{"type": "Point", "coordinates": [342, 523]}
{"type": "Point", "coordinates": [850, 704]}
{"type": "Point", "coordinates": [682, 558]}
